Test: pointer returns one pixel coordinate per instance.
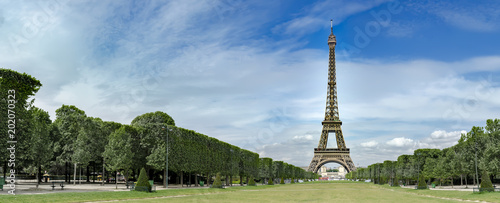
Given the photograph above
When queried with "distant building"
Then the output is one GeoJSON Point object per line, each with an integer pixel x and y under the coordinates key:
{"type": "Point", "coordinates": [332, 175]}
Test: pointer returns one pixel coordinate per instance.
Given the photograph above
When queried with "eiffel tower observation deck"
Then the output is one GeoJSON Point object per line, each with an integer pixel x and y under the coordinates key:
{"type": "Point", "coordinates": [332, 122]}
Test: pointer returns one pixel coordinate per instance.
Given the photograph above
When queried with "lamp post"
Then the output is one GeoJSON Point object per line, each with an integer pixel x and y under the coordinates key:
{"type": "Point", "coordinates": [166, 158]}
{"type": "Point", "coordinates": [475, 150]}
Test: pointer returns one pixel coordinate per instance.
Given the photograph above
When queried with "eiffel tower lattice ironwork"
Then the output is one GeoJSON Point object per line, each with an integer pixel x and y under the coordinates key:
{"type": "Point", "coordinates": [332, 123]}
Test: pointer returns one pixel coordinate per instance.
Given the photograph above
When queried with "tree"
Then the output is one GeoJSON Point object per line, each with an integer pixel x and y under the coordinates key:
{"type": "Point", "coordinates": [90, 142]}
{"type": "Point", "coordinates": [119, 153]}
{"type": "Point", "coordinates": [389, 171]}
{"type": "Point", "coordinates": [153, 140]}
{"type": "Point", "coordinates": [16, 90]}
{"type": "Point", "coordinates": [490, 161]}
{"type": "Point", "coordinates": [153, 117]}
{"type": "Point", "coordinates": [69, 121]}
{"type": "Point", "coordinates": [265, 168]}
{"type": "Point", "coordinates": [108, 127]}
{"type": "Point", "coordinates": [404, 166]}
{"type": "Point", "coordinates": [40, 144]}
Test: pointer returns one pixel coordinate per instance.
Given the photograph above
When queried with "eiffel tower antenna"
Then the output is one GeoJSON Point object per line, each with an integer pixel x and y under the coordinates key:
{"type": "Point", "coordinates": [331, 25]}
{"type": "Point", "coordinates": [332, 122]}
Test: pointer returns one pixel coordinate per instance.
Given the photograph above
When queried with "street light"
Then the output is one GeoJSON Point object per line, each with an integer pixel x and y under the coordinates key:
{"type": "Point", "coordinates": [166, 158]}
{"type": "Point", "coordinates": [475, 145]}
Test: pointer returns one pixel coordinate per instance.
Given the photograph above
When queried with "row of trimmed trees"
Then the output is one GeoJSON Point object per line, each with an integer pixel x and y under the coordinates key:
{"type": "Point", "coordinates": [74, 141]}
{"type": "Point", "coordinates": [272, 172]}
{"type": "Point", "coordinates": [450, 165]}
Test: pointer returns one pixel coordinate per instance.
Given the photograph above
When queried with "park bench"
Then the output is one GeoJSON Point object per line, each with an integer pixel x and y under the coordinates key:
{"type": "Point", "coordinates": [130, 184]}
{"type": "Point", "coordinates": [61, 184]}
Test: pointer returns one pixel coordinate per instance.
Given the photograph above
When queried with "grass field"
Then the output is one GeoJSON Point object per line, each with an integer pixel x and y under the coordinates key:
{"type": "Point", "coordinates": [305, 192]}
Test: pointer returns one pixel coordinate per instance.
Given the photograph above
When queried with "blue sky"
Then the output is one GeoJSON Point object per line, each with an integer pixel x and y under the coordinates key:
{"type": "Point", "coordinates": [411, 74]}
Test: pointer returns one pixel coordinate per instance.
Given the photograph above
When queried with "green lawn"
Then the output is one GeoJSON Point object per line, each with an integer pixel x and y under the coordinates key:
{"type": "Point", "coordinates": [305, 192]}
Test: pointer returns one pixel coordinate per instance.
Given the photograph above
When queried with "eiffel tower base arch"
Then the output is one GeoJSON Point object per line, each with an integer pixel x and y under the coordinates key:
{"type": "Point", "coordinates": [329, 155]}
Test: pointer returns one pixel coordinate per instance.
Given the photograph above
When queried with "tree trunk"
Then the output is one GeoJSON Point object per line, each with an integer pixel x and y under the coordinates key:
{"type": "Point", "coordinates": [5, 169]}
{"type": "Point", "coordinates": [37, 177]}
{"type": "Point", "coordinates": [196, 180]}
{"type": "Point", "coordinates": [116, 179]}
{"type": "Point", "coordinates": [231, 180]}
{"type": "Point", "coordinates": [208, 179]}
{"type": "Point", "coordinates": [40, 174]}
{"type": "Point", "coordinates": [74, 176]}
{"type": "Point", "coordinates": [189, 185]}
{"type": "Point", "coordinates": [80, 178]}
{"type": "Point", "coordinates": [88, 173]}
{"type": "Point", "coordinates": [241, 180]}
{"type": "Point", "coordinates": [103, 171]}
{"type": "Point", "coordinates": [165, 178]}
{"type": "Point", "coordinates": [107, 177]}
{"type": "Point", "coordinates": [247, 180]}
{"type": "Point", "coordinates": [466, 186]}
{"type": "Point", "coordinates": [452, 182]}
{"type": "Point", "coordinates": [461, 180]}
{"type": "Point", "coordinates": [182, 178]}
{"type": "Point", "coordinates": [126, 176]}
{"type": "Point", "coordinates": [66, 179]}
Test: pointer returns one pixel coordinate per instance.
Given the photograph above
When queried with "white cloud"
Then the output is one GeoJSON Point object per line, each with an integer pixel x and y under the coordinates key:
{"type": "Point", "coordinates": [479, 20]}
{"type": "Point", "coordinates": [441, 134]}
{"type": "Point", "coordinates": [397, 29]}
{"type": "Point", "coordinates": [369, 144]}
{"type": "Point", "coordinates": [481, 17]}
{"type": "Point", "coordinates": [303, 137]}
{"type": "Point", "coordinates": [314, 16]}
{"type": "Point", "coordinates": [401, 142]}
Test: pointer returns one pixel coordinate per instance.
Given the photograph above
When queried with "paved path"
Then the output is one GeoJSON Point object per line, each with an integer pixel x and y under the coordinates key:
{"type": "Point", "coordinates": [44, 188]}
{"type": "Point", "coordinates": [456, 187]}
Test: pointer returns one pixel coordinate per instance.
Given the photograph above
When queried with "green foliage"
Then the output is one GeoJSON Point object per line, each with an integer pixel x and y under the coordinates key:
{"type": "Point", "coordinates": [69, 122]}
{"type": "Point", "coordinates": [270, 181]}
{"type": "Point", "coordinates": [421, 183]}
{"type": "Point", "coordinates": [282, 181]}
{"type": "Point", "coordinates": [251, 182]}
{"type": "Point", "coordinates": [217, 182]}
{"type": "Point", "coordinates": [120, 151]}
{"type": "Point", "coordinates": [16, 90]}
{"type": "Point", "coordinates": [292, 181]}
{"type": "Point", "coordinates": [153, 117]}
{"type": "Point", "coordinates": [395, 182]}
{"type": "Point", "coordinates": [143, 182]}
{"type": "Point", "coordinates": [486, 184]}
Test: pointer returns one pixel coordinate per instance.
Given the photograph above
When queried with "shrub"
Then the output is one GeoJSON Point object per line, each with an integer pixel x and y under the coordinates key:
{"type": "Point", "coordinates": [486, 184]}
{"type": "Point", "coordinates": [142, 182]}
{"type": "Point", "coordinates": [217, 182]}
{"type": "Point", "coordinates": [251, 182]}
{"type": "Point", "coordinates": [282, 181]}
{"type": "Point", "coordinates": [292, 181]}
{"type": "Point", "coordinates": [270, 181]}
{"type": "Point", "coordinates": [421, 183]}
{"type": "Point", "coordinates": [396, 182]}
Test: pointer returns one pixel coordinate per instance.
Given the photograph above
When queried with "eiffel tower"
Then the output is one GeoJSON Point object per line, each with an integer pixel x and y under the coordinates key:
{"type": "Point", "coordinates": [332, 123]}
